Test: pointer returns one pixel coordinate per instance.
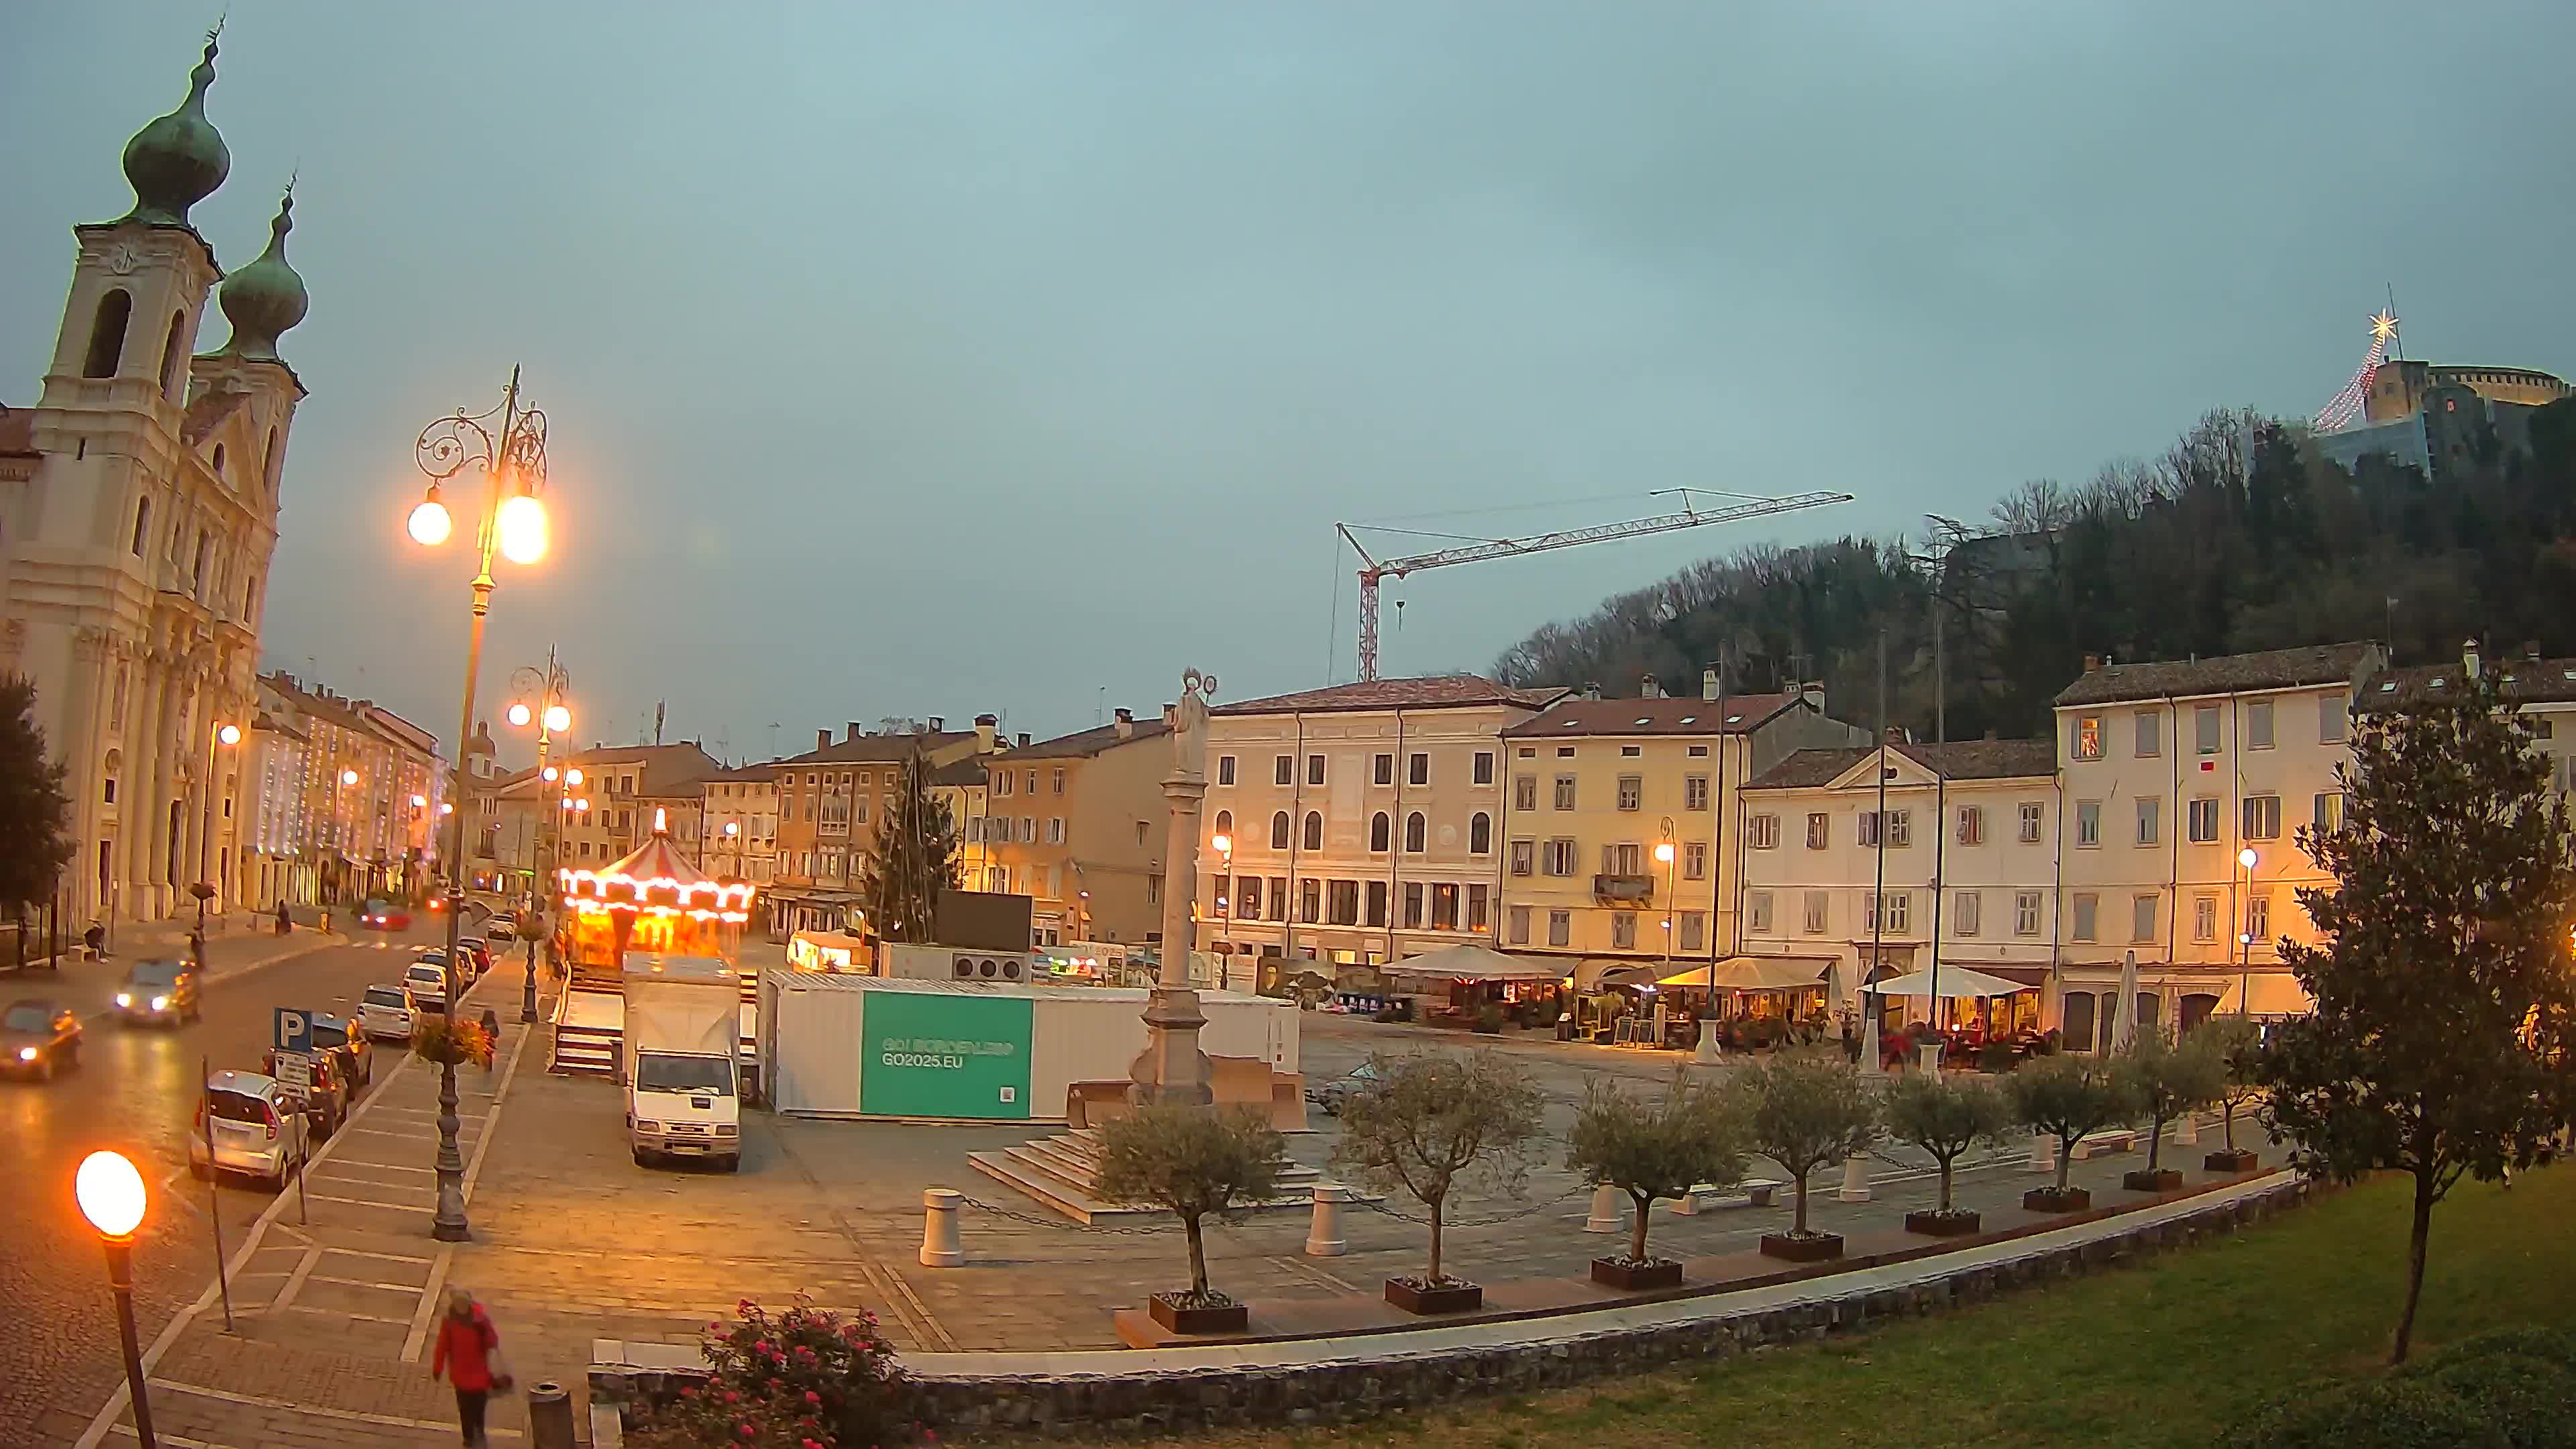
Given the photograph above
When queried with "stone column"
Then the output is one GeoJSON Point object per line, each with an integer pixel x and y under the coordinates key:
{"type": "Point", "coordinates": [1172, 1069]}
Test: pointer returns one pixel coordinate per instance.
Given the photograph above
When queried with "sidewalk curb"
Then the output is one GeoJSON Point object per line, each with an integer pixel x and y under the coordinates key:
{"type": "Point", "coordinates": [104, 1422]}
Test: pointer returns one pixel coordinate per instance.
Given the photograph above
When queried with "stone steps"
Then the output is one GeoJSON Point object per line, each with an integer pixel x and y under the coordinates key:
{"type": "Point", "coordinates": [1063, 1173]}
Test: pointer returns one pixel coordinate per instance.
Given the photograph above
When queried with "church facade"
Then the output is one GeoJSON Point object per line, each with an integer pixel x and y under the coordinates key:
{"type": "Point", "coordinates": [138, 519]}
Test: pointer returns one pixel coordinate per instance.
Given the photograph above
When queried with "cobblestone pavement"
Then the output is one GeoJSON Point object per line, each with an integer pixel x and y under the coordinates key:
{"type": "Point", "coordinates": [134, 1090]}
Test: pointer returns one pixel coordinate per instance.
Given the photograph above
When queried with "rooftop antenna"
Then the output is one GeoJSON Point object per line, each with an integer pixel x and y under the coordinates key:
{"type": "Point", "coordinates": [2396, 339]}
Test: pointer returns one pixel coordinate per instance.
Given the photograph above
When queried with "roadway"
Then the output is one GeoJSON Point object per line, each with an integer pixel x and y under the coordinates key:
{"type": "Point", "coordinates": [135, 1090]}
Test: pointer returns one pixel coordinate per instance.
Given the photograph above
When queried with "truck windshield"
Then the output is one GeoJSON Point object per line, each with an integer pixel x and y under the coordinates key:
{"type": "Point", "coordinates": [683, 1074]}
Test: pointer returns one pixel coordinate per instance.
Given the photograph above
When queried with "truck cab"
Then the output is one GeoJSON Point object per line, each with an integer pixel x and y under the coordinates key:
{"type": "Point", "coordinates": [679, 1062]}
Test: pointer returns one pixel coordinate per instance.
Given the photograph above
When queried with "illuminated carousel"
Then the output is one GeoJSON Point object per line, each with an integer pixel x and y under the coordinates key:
{"type": "Point", "coordinates": [652, 901]}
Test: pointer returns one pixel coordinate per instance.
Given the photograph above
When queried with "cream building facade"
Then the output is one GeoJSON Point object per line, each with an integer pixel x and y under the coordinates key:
{"type": "Point", "coordinates": [1078, 824]}
{"type": "Point", "coordinates": [1367, 819]}
{"type": "Point", "coordinates": [742, 823]}
{"type": "Point", "coordinates": [1596, 788]}
{"type": "Point", "coordinates": [1960, 866]}
{"type": "Point", "coordinates": [138, 517]}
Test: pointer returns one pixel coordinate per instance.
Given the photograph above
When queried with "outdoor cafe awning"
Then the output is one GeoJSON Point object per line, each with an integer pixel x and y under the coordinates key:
{"type": "Point", "coordinates": [2276, 993]}
{"type": "Point", "coordinates": [1958, 983]}
{"type": "Point", "coordinates": [1755, 973]}
{"type": "Point", "coordinates": [1470, 962]}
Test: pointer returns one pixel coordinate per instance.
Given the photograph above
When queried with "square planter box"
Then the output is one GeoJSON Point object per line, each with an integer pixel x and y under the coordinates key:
{"type": "Point", "coordinates": [1448, 1298]}
{"type": "Point", "coordinates": [1231, 1318]}
{"type": "Point", "coordinates": [2162, 1180]}
{"type": "Point", "coordinates": [1635, 1277]}
{"type": "Point", "coordinates": [1814, 1249]}
{"type": "Point", "coordinates": [1942, 1225]}
{"type": "Point", "coordinates": [2230, 1162]}
{"type": "Point", "coordinates": [2050, 1200]}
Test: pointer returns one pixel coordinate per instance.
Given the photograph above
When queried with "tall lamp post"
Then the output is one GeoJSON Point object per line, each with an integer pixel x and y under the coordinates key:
{"type": "Point", "coordinates": [2245, 934]}
{"type": "Point", "coordinates": [513, 523]}
{"type": "Point", "coordinates": [548, 714]}
{"type": "Point", "coordinates": [223, 736]}
{"type": "Point", "coordinates": [110, 1193]}
{"type": "Point", "coordinates": [1225, 912]}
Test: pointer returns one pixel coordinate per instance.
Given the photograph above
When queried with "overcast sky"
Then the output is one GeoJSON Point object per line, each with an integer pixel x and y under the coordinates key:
{"type": "Point", "coordinates": [934, 359]}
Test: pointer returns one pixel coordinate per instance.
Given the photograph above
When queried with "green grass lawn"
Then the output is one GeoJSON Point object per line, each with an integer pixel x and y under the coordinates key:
{"type": "Point", "coordinates": [2164, 1353]}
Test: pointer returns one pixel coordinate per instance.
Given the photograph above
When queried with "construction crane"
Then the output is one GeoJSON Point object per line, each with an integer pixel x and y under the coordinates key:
{"type": "Point", "coordinates": [1374, 570]}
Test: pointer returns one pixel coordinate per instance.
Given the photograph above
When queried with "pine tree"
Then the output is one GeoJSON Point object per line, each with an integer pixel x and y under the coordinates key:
{"type": "Point", "coordinates": [35, 815]}
{"type": "Point", "coordinates": [2439, 1045]}
{"type": "Point", "coordinates": [913, 859]}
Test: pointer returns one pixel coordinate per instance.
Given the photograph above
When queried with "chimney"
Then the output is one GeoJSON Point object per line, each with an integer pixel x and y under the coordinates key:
{"type": "Point", "coordinates": [1709, 685]}
{"type": "Point", "coordinates": [1024, 739]}
{"type": "Point", "coordinates": [1896, 734]}
{"type": "Point", "coordinates": [2531, 649]}
{"type": "Point", "coordinates": [853, 727]}
{"type": "Point", "coordinates": [1126, 724]}
{"type": "Point", "coordinates": [822, 739]}
{"type": "Point", "coordinates": [2469, 658]}
{"type": "Point", "coordinates": [1650, 688]}
{"type": "Point", "coordinates": [986, 726]}
{"type": "Point", "coordinates": [939, 724]}
{"type": "Point", "coordinates": [2092, 663]}
{"type": "Point", "coordinates": [1591, 691]}
{"type": "Point", "coordinates": [1812, 693]}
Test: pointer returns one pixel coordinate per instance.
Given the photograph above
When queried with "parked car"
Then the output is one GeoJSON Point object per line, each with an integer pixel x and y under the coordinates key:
{"type": "Point", "coordinates": [327, 1103]}
{"type": "Point", "coordinates": [38, 1038]}
{"type": "Point", "coordinates": [477, 952]}
{"type": "Point", "coordinates": [384, 916]}
{"type": "Point", "coordinates": [340, 1034]}
{"type": "Point", "coordinates": [425, 982]}
{"type": "Point", "coordinates": [245, 1114]}
{"type": "Point", "coordinates": [503, 926]}
{"type": "Point", "coordinates": [1333, 1094]}
{"type": "Point", "coordinates": [385, 1012]}
{"type": "Point", "coordinates": [160, 991]}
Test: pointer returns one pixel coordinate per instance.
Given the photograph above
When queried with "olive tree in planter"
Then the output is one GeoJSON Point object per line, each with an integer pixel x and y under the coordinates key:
{"type": "Point", "coordinates": [2238, 1044]}
{"type": "Point", "coordinates": [2165, 1081]}
{"type": "Point", "coordinates": [1428, 1123]}
{"type": "Point", "coordinates": [2068, 1098]}
{"type": "Point", "coordinates": [1947, 1115]}
{"type": "Point", "coordinates": [1652, 1149]}
{"type": "Point", "coordinates": [1804, 1111]}
{"type": "Point", "coordinates": [1192, 1161]}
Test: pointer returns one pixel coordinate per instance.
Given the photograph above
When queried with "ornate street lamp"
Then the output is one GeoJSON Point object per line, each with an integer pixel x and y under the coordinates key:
{"type": "Point", "coordinates": [110, 1193]}
{"type": "Point", "coordinates": [513, 523]}
{"type": "Point", "coordinates": [224, 736]}
{"type": "Point", "coordinates": [546, 687]}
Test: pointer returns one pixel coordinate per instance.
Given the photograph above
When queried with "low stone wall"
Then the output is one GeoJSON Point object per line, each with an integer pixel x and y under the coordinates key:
{"type": "Point", "coordinates": [1386, 1376]}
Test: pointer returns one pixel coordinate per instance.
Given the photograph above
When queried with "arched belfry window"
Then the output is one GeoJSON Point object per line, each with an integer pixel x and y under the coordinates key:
{"type": "Point", "coordinates": [173, 352]}
{"type": "Point", "coordinates": [107, 333]}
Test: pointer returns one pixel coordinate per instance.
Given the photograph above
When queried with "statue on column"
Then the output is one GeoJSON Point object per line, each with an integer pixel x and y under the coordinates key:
{"type": "Point", "coordinates": [1172, 1069]}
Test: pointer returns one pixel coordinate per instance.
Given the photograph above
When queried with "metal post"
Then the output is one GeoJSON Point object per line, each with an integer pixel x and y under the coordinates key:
{"type": "Point", "coordinates": [120, 1282]}
{"type": "Point", "coordinates": [214, 1189]}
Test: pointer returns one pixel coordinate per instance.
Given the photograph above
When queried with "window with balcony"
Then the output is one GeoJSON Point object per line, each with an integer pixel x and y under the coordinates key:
{"type": "Point", "coordinates": [1625, 858]}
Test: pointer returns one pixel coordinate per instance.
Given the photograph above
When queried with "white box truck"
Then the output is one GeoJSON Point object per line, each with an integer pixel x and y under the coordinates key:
{"type": "Point", "coordinates": [678, 1065]}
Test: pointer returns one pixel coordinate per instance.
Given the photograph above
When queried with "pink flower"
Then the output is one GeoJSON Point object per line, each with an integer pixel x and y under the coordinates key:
{"type": "Point", "coordinates": [731, 1396]}
{"type": "Point", "coordinates": [744, 1430]}
{"type": "Point", "coordinates": [812, 1397]}
{"type": "Point", "coordinates": [761, 1347]}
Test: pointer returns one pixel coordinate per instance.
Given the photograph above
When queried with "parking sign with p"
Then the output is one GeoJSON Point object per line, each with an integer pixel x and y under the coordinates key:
{"type": "Point", "coordinates": [292, 1030]}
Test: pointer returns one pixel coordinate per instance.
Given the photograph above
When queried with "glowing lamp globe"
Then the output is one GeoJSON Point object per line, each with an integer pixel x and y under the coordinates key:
{"type": "Point", "coordinates": [228, 735]}
{"type": "Point", "coordinates": [429, 524]}
{"type": "Point", "coordinates": [446, 807]}
{"type": "Point", "coordinates": [519, 717]}
{"type": "Point", "coordinates": [573, 775]}
{"type": "Point", "coordinates": [348, 777]}
{"type": "Point", "coordinates": [2245, 857]}
{"type": "Point", "coordinates": [1224, 844]}
{"type": "Point", "coordinates": [417, 802]}
{"type": "Point", "coordinates": [1664, 852]}
{"type": "Point", "coordinates": [521, 528]}
{"type": "Point", "coordinates": [551, 772]}
{"type": "Point", "coordinates": [582, 804]}
{"type": "Point", "coordinates": [558, 718]}
{"type": "Point", "coordinates": [110, 1193]}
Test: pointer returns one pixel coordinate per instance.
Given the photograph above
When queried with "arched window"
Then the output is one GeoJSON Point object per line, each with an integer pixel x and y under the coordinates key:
{"type": "Point", "coordinates": [171, 353]}
{"type": "Point", "coordinates": [1314, 830]}
{"type": "Point", "coordinates": [1379, 829]}
{"type": "Point", "coordinates": [107, 334]}
{"type": "Point", "coordinates": [114, 765]}
{"type": "Point", "coordinates": [269, 462]}
{"type": "Point", "coordinates": [1414, 826]}
{"type": "Point", "coordinates": [1480, 833]}
{"type": "Point", "coordinates": [142, 524]}
{"type": "Point", "coordinates": [1225, 822]}
{"type": "Point", "coordinates": [1279, 831]}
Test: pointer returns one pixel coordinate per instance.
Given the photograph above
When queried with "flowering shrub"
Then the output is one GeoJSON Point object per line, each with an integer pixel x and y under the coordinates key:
{"type": "Point", "coordinates": [806, 1378]}
{"type": "Point", "coordinates": [451, 1042]}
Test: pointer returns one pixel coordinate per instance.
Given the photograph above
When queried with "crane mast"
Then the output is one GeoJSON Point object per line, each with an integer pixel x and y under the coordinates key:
{"type": "Point", "coordinates": [1374, 570]}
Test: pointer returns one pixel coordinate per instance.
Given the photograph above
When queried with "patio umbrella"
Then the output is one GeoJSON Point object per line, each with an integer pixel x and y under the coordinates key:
{"type": "Point", "coordinates": [1868, 1029]}
{"type": "Point", "coordinates": [2124, 1019]}
{"type": "Point", "coordinates": [1958, 983]}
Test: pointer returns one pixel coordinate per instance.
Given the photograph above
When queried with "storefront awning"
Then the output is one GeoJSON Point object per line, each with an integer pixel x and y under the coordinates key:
{"type": "Point", "coordinates": [1756, 973]}
{"type": "Point", "coordinates": [1958, 983]}
{"type": "Point", "coordinates": [2276, 993]}
{"type": "Point", "coordinates": [1469, 962]}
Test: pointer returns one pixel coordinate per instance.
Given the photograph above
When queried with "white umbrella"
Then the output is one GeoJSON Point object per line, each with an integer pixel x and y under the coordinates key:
{"type": "Point", "coordinates": [2124, 1012]}
{"type": "Point", "coordinates": [1958, 983]}
{"type": "Point", "coordinates": [1868, 1030]}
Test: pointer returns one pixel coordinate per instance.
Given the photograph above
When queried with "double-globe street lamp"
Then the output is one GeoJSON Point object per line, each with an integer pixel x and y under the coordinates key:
{"type": "Point", "coordinates": [549, 715]}
{"type": "Point", "coordinates": [110, 1193]}
{"type": "Point", "coordinates": [513, 523]}
{"type": "Point", "coordinates": [222, 736]}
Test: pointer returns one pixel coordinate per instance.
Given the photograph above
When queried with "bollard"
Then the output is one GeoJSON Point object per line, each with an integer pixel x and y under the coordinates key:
{"type": "Point", "coordinates": [2043, 1153]}
{"type": "Point", "coordinates": [1324, 1234]}
{"type": "Point", "coordinates": [2187, 1130]}
{"type": "Point", "coordinates": [939, 1247]}
{"type": "Point", "coordinates": [1855, 1180]}
{"type": "Point", "coordinates": [1605, 1210]}
{"type": "Point", "coordinates": [549, 1416]}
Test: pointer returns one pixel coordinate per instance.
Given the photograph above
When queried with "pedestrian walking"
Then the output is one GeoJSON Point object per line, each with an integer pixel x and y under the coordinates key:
{"type": "Point", "coordinates": [285, 922]}
{"type": "Point", "coordinates": [491, 1037]}
{"type": "Point", "coordinates": [469, 1358]}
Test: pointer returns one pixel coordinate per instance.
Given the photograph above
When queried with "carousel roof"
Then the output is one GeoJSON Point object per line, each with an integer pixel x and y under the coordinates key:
{"type": "Point", "coordinates": [655, 876]}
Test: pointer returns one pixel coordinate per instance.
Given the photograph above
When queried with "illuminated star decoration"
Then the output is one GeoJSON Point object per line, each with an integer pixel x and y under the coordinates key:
{"type": "Point", "coordinates": [2346, 405]}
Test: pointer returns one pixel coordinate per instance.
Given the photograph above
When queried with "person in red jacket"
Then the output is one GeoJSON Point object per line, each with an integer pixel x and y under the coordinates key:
{"type": "Point", "coordinates": [469, 1357]}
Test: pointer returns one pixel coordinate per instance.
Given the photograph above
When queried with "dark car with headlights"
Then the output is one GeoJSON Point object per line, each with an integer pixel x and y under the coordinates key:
{"type": "Point", "coordinates": [159, 992]}
{"type": "Point", "coordinates": [38, 1038]}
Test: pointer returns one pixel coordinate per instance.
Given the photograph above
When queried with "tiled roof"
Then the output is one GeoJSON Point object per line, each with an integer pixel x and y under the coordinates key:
{"type": "Point", "coordinates": [667, 769]}
{"type": "Point", "coordinates": [1577, 717]}
{"type": "Point", "coordinates": [1083, 744]}
{"type": "Point", "coordinates": [1436, 691]}
{"type": "Point", "coordinates": [2526, 681]}
{"type": "Point", "coordinates": [965, 773]}
{"type": "Point", "coordinates": [877, 749]}
{"type": "Point", "coordinates": [2225, 674]}
{"type": "Point", "coordinates": [1956, 760]}
{"type": "Point", "coordinates": [207, 413]}
{"type": "Point", "coordinates": [760, 774]}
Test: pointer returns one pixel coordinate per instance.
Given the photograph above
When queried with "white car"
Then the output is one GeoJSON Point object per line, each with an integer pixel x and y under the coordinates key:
{"type": "Point", "coordinates": [385, 1012]}
{"type": "Point", "coordinates": [251, 1127]}
{"type": "Point", "coordinates": [425, 981]}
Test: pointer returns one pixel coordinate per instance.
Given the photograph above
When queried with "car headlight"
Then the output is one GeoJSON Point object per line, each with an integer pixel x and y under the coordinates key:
{"type": "Point", "coordinates": [160, 1003]}
{"type": "Point", "coordinates": [26, 1054]}
{"type": "Point", "coordinates": [125, 998]}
